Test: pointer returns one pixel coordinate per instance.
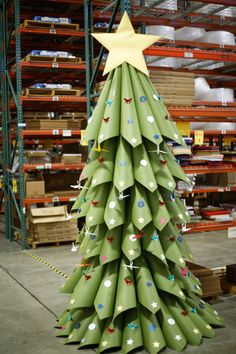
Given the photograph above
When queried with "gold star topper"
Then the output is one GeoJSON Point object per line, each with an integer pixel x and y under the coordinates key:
{"type": "Point", "coordinates": [125, 46]}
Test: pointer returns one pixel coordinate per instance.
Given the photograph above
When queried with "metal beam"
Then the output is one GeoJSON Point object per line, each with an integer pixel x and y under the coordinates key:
{"type": "Point", "coordinates": [146, 8]}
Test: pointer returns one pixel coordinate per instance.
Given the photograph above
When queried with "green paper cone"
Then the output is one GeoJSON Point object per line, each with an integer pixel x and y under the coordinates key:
{"type": "Point", "coordinates": [93, 333]}
{"type": "Point", "coordinates": [89, 282]}
{"type": "Point", "coordinates": [125, 294]}
{"type": "Point", "coordinates": [173, 335]}
{"type": "Point", "coordinates": [187, 280]}
{"type": "Point", "coordinates": [164, 280]}
{"type": "Point", "coordinates": [85, 204]}
{"type": "Point", "coordinates": [129, 124]}
{"type": "Point", "coordinates": [111, 247]}
{"type": "Point", "coordinates": [159, 211]}
{"type": "Point", "coordinates": [94, 246]}
{"type": "Point", "coordinates": [70, 320]}
{"type": "Point", "coordinates": [147, 121]}
{"type": "Point", "coordinates": [81, 196]}
{"type": "Point", "coordinates": [143, 172]}
{"type": "Point", "coordinates": [123, 174]}
{"type": "Point", "coordinates": [105, 298]}
{"type": "Point", "coordinates": [141, 214]}
{"type": "Point", "coordinates": [112, 335]}
{"type": "Point", "coordinates": [85, 317]}
{"type": "Point", "coordinates": [95, 214]}
{"type": "Point", "coordinates": [91, 164]}
{"type": "Point", "coordinates": [146, 290]}
{"type": "Point", "coordinates": [110, 126]}
{"type": "Point", "coordinates": [152, 335]}
{"type": "Point", "coordinates": [69, 285]}
{"type": "Point", "coordinates": [131, 239]}
{"type": "Point", "coordinates": [151, 243]}
{"type": "Point", "coordinates": [180, 315]}
{"type": "Point", "coordinates": [115, 209]}
{"type": "Point", "coordinates": [132, 334]}
{"type": "Point", "coordinates": [94, 122]}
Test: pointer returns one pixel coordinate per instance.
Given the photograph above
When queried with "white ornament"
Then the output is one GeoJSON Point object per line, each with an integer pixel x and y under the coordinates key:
{"type": "Point", "coordinates": [171, 321]}
{"type": "Point", "coordinates": [143, 163]}
{"type": "Point", "coordinates": [107, 283]}
{"type": "Point", "coordinates": [90, 120]}
{"type": "Point", "coordinates": [150, 119]}
{"type": "Point", "coordinates": [92, 326]}
{"type": "Point", "coordinates": [132, 238]}
{"type": "Point", "coordinates": [112, 205]}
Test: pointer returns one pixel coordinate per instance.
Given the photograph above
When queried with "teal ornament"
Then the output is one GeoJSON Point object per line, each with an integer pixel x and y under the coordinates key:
{"type": "Point", "coordinates": [155, 237]}
{"type": "Point", "coordinates": [132, 326]}
{"type": "Point", "coordinates": [171, 277]}
{"type": "Point", "coordinates": [84, 199]}
{"type": "Point", "coordinates": [109, 103]}
{"type": "Point", "coordinates": [70, 317]}
{"type": "Point", "coordinates": [193, 310]}
{"type": "Point", "coordinates": [143, 99]}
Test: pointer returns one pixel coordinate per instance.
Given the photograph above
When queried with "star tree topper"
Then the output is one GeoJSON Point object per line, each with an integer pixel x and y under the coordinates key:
{"type": "Point", "coordinates": [125, 46]}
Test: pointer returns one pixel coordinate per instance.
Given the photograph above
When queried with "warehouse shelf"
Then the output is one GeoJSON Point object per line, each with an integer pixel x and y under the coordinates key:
{"type": "Point", "coordinates": [210, 226]}
{"type": "Point", "coordinates": [55, 32]}
{"type": "Point", "coordinates": [207, 189]}
{"type": "Point", "coordinates": [51, 199]}
{"type": "Point", "coordinates": [51, 133]}
{"type": "Point", "coordinates": [31, 167]}
{"type": "Point", "coordinates": [206, 112]}
{"type": "Point", "coordinates": [212, 168]}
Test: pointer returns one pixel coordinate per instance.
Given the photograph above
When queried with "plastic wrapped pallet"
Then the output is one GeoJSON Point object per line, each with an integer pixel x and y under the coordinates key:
{"type": "Point", "coordinates": [220, 94]}
{"type": "Point", "coordinates": [189, 33]}
{"type": "Point", "coordinates": [201, 87]}
{"type": "Point", "coordinates": [221, 37]}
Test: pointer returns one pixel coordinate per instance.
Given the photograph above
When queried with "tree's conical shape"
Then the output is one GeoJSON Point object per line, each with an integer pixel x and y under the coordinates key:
{"type": "Point", "coordinates": [133, 287]}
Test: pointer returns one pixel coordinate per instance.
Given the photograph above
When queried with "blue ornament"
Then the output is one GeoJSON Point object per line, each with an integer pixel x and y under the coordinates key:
{"type": "Point", "coordinates": [100, 306]}
{"type": "Point", "coordinates": [70, 318]}
{"type": "Point", "coordinates": [92, 237]}
{"type": "Point", "coordinates": [180, 238]}
{"type": "Point", "coordinates": [193, 310]}
{"type": "Point", "coordinates": [84, 199]}
{"type": "Point", "coordinates": [155, 237]}
{"type": "Point", "coordinates": [141, 204]}
{"type": "Point", "coordinates": [88, 160]}
{"type": "Point", "coordinates": [130, 121]}
{"type": "Point", "coordinates": [109, 103]}
{"type": "Point", "coordinates": [132, 326]}
{"type": "Point", "coordinates": [79, 210]}
{"type": "Point", "coordinates": [143, 99]}
{"type": "Point", "coordinates": [152, 327]}
{"type": "Point", "coordinates": [202, 305]}
{"type": "Point", "coordinates": [77, 325]}
{"type": "Point", "coordinates": [156, 136]}
{"type": "Point", "coordinates": [171, 277]}
{"type": "Point", "coordinates": [123, 163]}
{"type": "Point", "coordinates": [149, 284]}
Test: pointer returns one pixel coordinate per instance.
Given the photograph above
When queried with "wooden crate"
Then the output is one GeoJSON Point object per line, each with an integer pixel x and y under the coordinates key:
{"type": "Point", "coordinates": [36, 92]}
{"type": "Point", "coordinates": [48, 59]}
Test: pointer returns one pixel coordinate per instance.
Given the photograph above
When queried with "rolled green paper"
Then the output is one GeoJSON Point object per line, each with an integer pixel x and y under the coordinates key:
{"type": "Point", "coordinates": [147, 121]}
{"type": "Point", "coordinates": [90, 282]}
{"type": "Point", "coordinates": [93, 333]}
{"type": "Point", "coordinates": [164, 280]}
{"type": "Point", "coordinates": [85, 204]}
{"type": "Point", "coordinates": [123, 174]}
{"type": "Point", "coordinates": [81, 196]}
{"type": "Point", "coordinates": [151, 242]}
{"type": "Point", "coordinates": [153, 338]}
{"type": "Point", "coordinates": [71, 282]}
{"type": "Point", "coordinates": [94, 123]}
{"type": "Point", "coordinates": [112, 335]}
{"type": "Point", "coordinates": [159, 211]}
{"type": "Point", "coordinates": [143, 172]}
{"type": "Point", "coordinates": [85, 318]}
{"type": "Point", "coordinates": [110, 126]}
{"type": "Point", "coordinates": [105, 164]}
{"type": "Point", "coordinates": [69, 322]}
{"type": "Point", "coordinates": [131, 246]}
{"type": "Point", "coordinates": [111, 248]}
{"type": "Point", "coordinates": [95, 213]}
{"type": "Point", "coordinates": [129, 123]}
{"type": "Point", "coordinates": [146, 289]}
{"type": "Point", "coordinates": [191, 333]}
{"type": "Point", "coordinates": [125, 293]}
{"type": "Point", "coordinates": [186, 279]}
{"type": "Point", "coordinates": [105, 298]}
{"type": "Point", "coordinates": [172, 333]}
{"type": "Point", "coordinates": [114, 214]}
{"type": "Point", "coordinates": [96, 239]}
{"type": "Point", "coordinates": [141, 214]}
{"type": "Point", "coordinates": [91, 163]}
{"type": "Point", "coordinates": [132, 333]}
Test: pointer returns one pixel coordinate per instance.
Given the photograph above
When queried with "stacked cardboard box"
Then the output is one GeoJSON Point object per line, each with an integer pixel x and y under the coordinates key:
{"type": "Point", "coordinates": [176, 89]}
{"type": "Point", "coordinates": [51, 225]}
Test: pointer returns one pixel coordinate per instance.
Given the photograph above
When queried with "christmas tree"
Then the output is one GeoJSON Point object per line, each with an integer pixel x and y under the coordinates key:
{"type": "Point", "coordinates": [132, 287]}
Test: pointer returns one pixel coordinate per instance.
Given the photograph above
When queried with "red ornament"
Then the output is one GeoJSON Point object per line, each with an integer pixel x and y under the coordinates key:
{"type": "Point", "coordinates": [84, 265]}
{"type": "Point", "coordinates": [172, 238]}
{"type": "Point", "coordinates": [184, 312]}
{"type": "Point", "coordinates": [184, 271]}
{"type": "Point", "coordinates": [87, 277]}
{"type": "Point", "coordinates": [101, 160]}
{"type": "Point", "coordinates": [161, 202]}
{"type": "Point", "coordinates": [128, 281]}
{"type": "Point", "coordinates": [110, 330]}
{"type": "Point", "coordinates": [106, 120]}
{"type": "Point", "coordinates": [163, 162]}
{"type": "Point", "coordinates": [166, 117]}
{"type": "Point", "coordinates": [128, 100]}
{"type": "Point", "coordinates": [141, 233]}
{"type": "Point", "coordinates": [94, 203]}
{"type": "Point", "coordinates": [110, 239]}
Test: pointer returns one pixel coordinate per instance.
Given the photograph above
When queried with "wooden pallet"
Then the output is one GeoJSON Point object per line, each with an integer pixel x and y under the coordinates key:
{"type": "Point", "coordinates": [47, 59]}
{"type": "Point", "coordinates": [36, 92]}
{"type": "Point", "coordinates": [35, 244]}
{"type": "Point", "coordinates": [60, 124]}
{"type": "Point", "coordinates": [50, 25]}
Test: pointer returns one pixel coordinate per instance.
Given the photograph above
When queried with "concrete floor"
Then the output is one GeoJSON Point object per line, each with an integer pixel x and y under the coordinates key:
{"type": "Point", "coordinates": [29, 298]}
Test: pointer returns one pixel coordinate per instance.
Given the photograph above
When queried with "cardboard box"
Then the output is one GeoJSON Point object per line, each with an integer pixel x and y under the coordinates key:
{"type": "Point", "coordinates": [48, 215]}
{"type": "Point", "coordinates": [34, 185]}
{"type": "Point", "coordinates": [71, 158]}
